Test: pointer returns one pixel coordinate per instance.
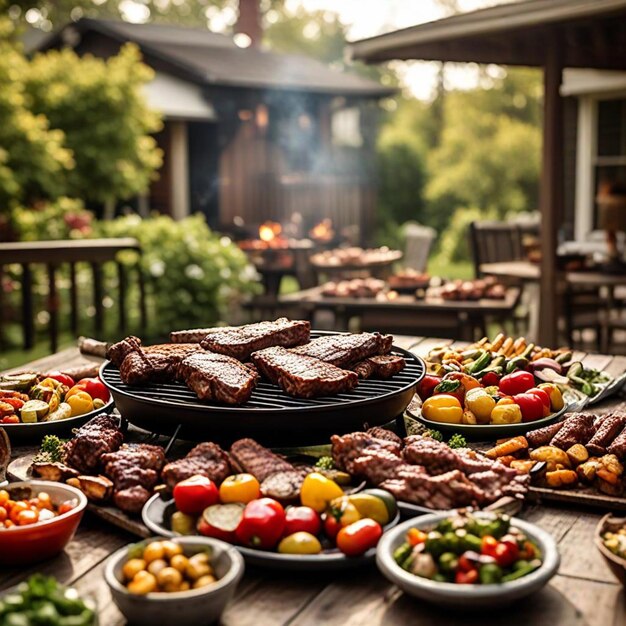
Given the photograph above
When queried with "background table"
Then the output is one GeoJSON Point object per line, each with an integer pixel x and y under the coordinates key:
{"type": "Point", "coordinates": [583, 592]}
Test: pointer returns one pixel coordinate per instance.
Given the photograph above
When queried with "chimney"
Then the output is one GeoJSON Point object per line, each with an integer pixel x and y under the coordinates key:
{"type": "Point", "coordinates": [249, 21]}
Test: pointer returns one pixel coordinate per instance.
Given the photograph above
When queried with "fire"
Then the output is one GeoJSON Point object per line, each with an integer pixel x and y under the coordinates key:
{"type": "Point", "coordinates": [270, 231]}
{"type": "Point", "coordinates": [323, 231]}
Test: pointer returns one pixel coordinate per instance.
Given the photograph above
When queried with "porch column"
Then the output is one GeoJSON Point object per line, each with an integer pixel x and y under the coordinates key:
{"type": "Point", "coordinates": [551, 194]}
{"type": "Point", "coordinates": [179, 164]}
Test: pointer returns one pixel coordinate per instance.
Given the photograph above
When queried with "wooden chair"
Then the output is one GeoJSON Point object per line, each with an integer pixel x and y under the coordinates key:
{"type": "Point", "coordinates": [494, 242]}
{"type": "Point", "coordinates": [419, 240]}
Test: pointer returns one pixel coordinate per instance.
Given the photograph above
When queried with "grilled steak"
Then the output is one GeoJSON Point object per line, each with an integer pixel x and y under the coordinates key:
{"type": "Point", "coordinates": [195, 335]}
{"type": "Point", "coordinates": [381, 366]}
{"type": "Point", "coordinates": [131, 499]}
{"type": "Point", "coordinates": [97, 437]}
{"type": "Point", "coordinates": [120, 350]}
{"type": "Point", "coordinates": [251, 457]}
{"type": "Point", "coordinates": [577, 428]}
{"type": "Point", "coordinates": [240, 342]}
{"type": "Point", "coordinates": [283, 486]}
{"type": "Point", "coordinates": [346, 448]}
{"type": "Point", "coordinates": [217, 377]}
{"type": "Point", "coordinates": [302, 376]}
{"type": "Point", "coordinates": [207, 459]}
{"type": "Point", "coordinates": [609, 428]}
{"type": "Point", "coordinates": [346, 350]}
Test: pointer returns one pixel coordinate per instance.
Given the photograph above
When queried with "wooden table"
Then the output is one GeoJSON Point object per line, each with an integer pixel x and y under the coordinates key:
{"type": "Point", "coordinates": [583, 593]}
{"type": "Point", "coordinates": [407, 311]}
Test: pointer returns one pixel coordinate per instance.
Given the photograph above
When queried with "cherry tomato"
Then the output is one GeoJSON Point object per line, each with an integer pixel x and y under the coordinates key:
{"type": "Point", "coordinates": [11, 419]}
{"type": "Point", "coordinates": [331, 525]}
{"type": "Point", "coordinates": [489, 545]}
{"type": "Point", "coordinates": [4, 497]}
{"type": "Point", "coordinates": [66, 506]}
{"type": "Point", "coordinates": [64, 379]}
{"type": "Point", "coordinates": [301, 519]}
{"type": "Point", "coordinates": [3, 514]}
{"type": "Point", "coordinates": [507, 552]}
{"type": "Point", "coordinates": [359, 537]}
{"type": "Point", "coordinates": [195, 494]}
{"type": "Point", "coordinates": [27, 517]}
{"type": "Point", "coordinates": [466, 578]}
{"type": "Point", "coordinates": [8, 523]}
{"type": "Point", "coordinates": [16, 403]}
{"type": "Point", "coordinates": [240, 488]}
{"type": "Point", "coordinates": [415, 536]}
{"type": "Point", "coordinates": [16, 509]}
{"type": "Point", "coordinates": [262, 524]}
{"type": "Point", "coordinates": [94, 387]}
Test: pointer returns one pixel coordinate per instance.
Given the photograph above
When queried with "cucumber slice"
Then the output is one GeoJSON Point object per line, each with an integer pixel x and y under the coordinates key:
{"type": "Point", "coordinates": [33, 411]}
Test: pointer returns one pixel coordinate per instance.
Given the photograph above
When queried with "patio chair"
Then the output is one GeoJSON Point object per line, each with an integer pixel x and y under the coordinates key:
{"type": "Point", "coordinates": [494, 242]}
{"type": "Point", "coordinates": [419, 240]}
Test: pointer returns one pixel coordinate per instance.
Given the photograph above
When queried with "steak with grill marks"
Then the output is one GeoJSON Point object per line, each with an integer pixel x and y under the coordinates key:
{"type": "Point", "coordinates": [195, 335]}
{"type": "Point", "coordinates": [380, 366]}
{"type": "Point", "coordinates": [206, 459]}
{"type": "Point", "coordinates": [217, 377]}
{"type": "Point", "coordinates": [241, 341]}
{"type": "Point", "coordinates": [98, 436]}
{"type": "Point", "coordinates": [346, 350]}
{"type": "Point", "coordinates": [302, 376]}
{"type": "Point", "coordinates": [251, 457]}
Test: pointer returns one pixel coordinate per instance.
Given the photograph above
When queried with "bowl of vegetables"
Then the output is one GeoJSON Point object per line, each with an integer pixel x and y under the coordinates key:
{"type": "Point", "coordinates": [187, 580]}
{"type": "Point", "coordinates": [38, 519]}
{"type": "Point", "coordinates": [42, 600]}
{"type": "Point", "coordinates": [468, 559]}
{"type": "Point", "coordinates": [611, 541]}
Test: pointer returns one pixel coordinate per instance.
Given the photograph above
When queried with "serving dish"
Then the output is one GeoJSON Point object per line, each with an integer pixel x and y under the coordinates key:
{"type": "Point", "coordinates": [158, 510]}
{"type": "Point", "coordinates": [196, 606]}
{"type": "Point", "coordinates": [466, 596]}
{"type": "Point", "coordinates": [617, 564]}
{"type": "Point", "coordinates": [39, 541]}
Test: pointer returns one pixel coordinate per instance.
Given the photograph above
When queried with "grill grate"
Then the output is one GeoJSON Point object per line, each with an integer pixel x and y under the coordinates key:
{"type": "Point", "coordinates": [268, 397]}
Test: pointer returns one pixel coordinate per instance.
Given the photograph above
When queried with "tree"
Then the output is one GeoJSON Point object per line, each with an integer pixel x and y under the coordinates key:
{"type": "Point", "coordinates": [106, 123]}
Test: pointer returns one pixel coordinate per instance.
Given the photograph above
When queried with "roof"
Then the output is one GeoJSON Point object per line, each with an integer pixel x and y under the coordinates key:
{"type": "Point", "coordinates": [512, 34]}
{"type": "Point", "coordinates": [213, 59]}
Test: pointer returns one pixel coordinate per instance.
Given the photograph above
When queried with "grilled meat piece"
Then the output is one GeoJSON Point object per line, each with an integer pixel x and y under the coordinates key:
{"type": "Point", "coordinates": [96, 488]}
{"type": "Point", "coordinates": [57, 472]}
{"type": "Point", "coordinates": [132, 455]}
{"type": "Point", "coordinates": [608, 429]}
{"type": "Point", "coordinates": [284, 486]}
{"type": "Point", "coordinates": [346, 448]}
{"type": "Point", "coordinates": [217, 377]}
{"type": "Point", "coordinates": [384, 433]}
{"type": "Point", "coordinates": [251, 457]}
{"type": "Point", "coordinates": [346, 350]}
{"type": "Point", "coordinates": [378, 464]}
{"type": "Point", "coordinates": [618, 446]}
{"type": "Point", "coordinates": [382, 366]}
{"type": "Point", "coordinates": [97, 437]}
{"type": "Point", "coordinates": [578, 428]}
{"type": "Point", "coordinates": [158, 363]}
{"type": "Point", "coordinates": [543, 436]}
{"type": "Point", "coordinates": [195, 335]}
{"type": "Point", "coordinates": [302, 376]}
{"type": "Point", "coordinates": [434, 455]}
{"type": "Point", "coordinates": [207, 459]}
{"type": "Point", "coordinates": [132, 499]}
{"type": "Point", "coordinates": [240, 342]}
{"type": "Point", "coordinates": [120, 350]}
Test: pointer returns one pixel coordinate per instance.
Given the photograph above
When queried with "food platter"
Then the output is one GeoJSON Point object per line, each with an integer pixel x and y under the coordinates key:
{"type": "Point", "coordinates": [270, 415]}
{"type": "Point", "coordinates": [158, 509]}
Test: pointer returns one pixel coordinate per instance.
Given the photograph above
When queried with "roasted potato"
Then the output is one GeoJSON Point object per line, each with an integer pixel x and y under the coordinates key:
{"type": "Point", "coordinates": [522, 466]}
{"type": "Point", "coordinates": [611, 463]}
{"type": "Point", "coordinates": [561, 478]}
{"type": "Point", "coordinates": [577, 454]}
{"type": "Point", "coordinates": [552, 456]}
{"type": "Point", "coordinates": [587, 471]}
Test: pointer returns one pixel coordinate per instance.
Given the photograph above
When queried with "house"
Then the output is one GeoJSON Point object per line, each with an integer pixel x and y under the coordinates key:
{"type": "Point", "coordinates": [249, 134]}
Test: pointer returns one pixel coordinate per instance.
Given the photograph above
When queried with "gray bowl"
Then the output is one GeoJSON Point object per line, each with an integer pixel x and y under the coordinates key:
{"type": "Point", "coordinates": [465, 596]}
{"type": "Point", "coordinates": [196, 606]}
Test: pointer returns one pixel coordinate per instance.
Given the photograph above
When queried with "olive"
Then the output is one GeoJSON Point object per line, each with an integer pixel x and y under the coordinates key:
{"type": "Point", "coordinates": [171, 548]}
{"type": "Point", "coordinates": [169, 579]}
{"type": "Point", "coordinates": [198, 566]}
{"type": "Point", "coordinates": [143, 582]}
{"type": "Point", "coordinates": [153, 551]}
{"type": "Point", "coordinates": [131, 567]}
{"type": "Point", "coordinates": [180, 562]}
{"type": "Point", "coordinates": [183, 524]}
{"type": "Point", "coordinates": [204, 581]}
{"type": "Point", "coordinates": [156, 566]}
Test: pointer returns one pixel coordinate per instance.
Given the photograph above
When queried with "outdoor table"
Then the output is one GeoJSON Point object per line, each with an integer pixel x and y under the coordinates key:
{"type": "Point", "coordinates": [583, 593]}
{"type": "Point", "coordinates": [357, 269]}
{"type": "Point", "coordinates": [407, 310]}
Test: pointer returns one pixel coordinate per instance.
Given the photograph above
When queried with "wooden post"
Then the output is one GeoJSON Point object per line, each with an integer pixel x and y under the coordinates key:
{"type": "Point", "coordinates": [551, 194]}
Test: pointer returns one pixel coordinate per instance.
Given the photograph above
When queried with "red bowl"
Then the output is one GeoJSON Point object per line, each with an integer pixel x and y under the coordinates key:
{"type": "Point", "coordinates": [20, 545]}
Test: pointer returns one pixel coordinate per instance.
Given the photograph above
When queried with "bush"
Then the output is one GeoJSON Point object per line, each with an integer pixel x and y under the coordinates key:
{"type": "Point", "coordinates": [64, 218]}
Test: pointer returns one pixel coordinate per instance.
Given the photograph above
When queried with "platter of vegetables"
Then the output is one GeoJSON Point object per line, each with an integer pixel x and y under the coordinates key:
{"type": "Point", "coordinates": [468, 558]}
{"type": "Point", "coordinates": [33, 404]}
{"type": "Point", "coordinates": [490, 406]}
{"type": "Point", "coordinates": [326, 529]}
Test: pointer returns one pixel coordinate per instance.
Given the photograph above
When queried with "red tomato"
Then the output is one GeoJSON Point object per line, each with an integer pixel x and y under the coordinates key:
{"type": "Point", "coordinates": [66, 506]}
{"type": "Point", "coordinates": [195, 494]}
{"type": "Point", "coordinates": [490, 379]}
{"type": "Point", "coordinates": [301, 518]}
{"type": "Point", "coordinates": [489, 545]}
{"type": "Point", "coordinates": [506, 553]}
{"type": "Point", "coordinates": [10, 419]}
{"type": "Point", "coordinates": [517, 382]}
{"type": "Point", "coordinates": [357, 538]}
{"type": "Point", "coordinates": [220, 521]}
{"type": "Point", "coordinates": [94, 387]}
{"type": "Point", "coordinates": [331, 525]}
{"type": "Point", "coordinates": [544, 397]}
{"type": "Point", "coordinates": [427, 385]}
{"type": "Point", "coordinates": [64, 379]}
{"type": "Point", "coordinates": [262, 524]}
{"type": "Point", "coordinates": [16, 403]}
{"type": "Point", "coordinates": [530, 405]}
{"type": "Point", "coordinates": [466, 578]}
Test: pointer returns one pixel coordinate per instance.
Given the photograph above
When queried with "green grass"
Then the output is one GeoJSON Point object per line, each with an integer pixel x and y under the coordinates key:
{"type": "Point", "coordinates": [440, 267]}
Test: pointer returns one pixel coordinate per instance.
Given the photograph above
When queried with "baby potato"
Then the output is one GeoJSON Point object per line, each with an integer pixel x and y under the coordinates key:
{"type": "Point", "coordinates": [153, 551]}
{"type": "Point", "coordinates": [184, 586]}
{"type": "Point", "coordinates": [552, 455]}
{"type": "Point", "coordinates": [169, 579]}
{"type": "Point", "coordinates": [144, 582]}
{"type": "Point", "coordinates": [132, 567]}
{"type": "Point", "coordinates": [204, 581]}
{"type": "Point", "coordinates": [180, 562]}
{"type": "Point", "coordinates": [198, 566]}
{"type": "Point", "coordinates": [171, 548]}
{"type": "Point", "coordinates": [154, 567]}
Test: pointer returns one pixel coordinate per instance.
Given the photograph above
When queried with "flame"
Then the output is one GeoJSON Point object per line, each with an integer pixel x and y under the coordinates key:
{"type": "Point", "coordinates": [270, 231]}
{"type": "Point", "coordinates": [323, 231]}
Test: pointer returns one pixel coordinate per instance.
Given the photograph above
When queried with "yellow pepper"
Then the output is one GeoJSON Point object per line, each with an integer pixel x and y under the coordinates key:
{"type": "Point", "coordinates": [317, 491]}
{"type": "Point", "coordinates": [344, 511]}
{"type": "Point", "coordinates": [371, 507]}
{"type": "Point", "coordinates": [443, 408]}
{"type": "Point", "coordinates": [300, 543]}
{"type": "Point", "coordinates": [556, 397]}
{"type": "Point", "coordinates": [506, 412]}
{"type": "Point", "coordinates": [80, 402]}
{"type": "Point", "coordinates": [480, 403]}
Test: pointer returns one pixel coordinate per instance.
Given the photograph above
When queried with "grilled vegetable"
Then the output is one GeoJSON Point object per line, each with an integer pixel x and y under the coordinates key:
{"type": "Point", "coordinates": [508, 447]}
{"type": "Point", "coordinates": [317, 491]}
{"type": "Point", "coordinates": [443, 408]}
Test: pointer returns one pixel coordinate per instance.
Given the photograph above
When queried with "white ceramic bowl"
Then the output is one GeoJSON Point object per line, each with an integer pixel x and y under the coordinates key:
{"type": "Point", "coordinates": [196, 606]}
{"type": "Point", "coordinates": [465, 596]}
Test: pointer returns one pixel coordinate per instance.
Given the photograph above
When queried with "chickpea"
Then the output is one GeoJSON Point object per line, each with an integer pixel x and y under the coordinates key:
{"type": "Point", "coordinates": [154, 567]}
{"type": "Point", "coordinates": [198, 566]}
{"type": "Point", "coordinates": [171, 548]}
{"type": "Point", "coordinates": [204, 581]}
{"type": "Point", "coordinates": [143, 583]}
{"type": "Point", "coordinates": [169, 579]}
{"type": "Point", "coordinates": [153, 551]}
{"type": "Point", "coordinates": [132, 567]}
{"type": "Point", "coordinates": [180, 562]}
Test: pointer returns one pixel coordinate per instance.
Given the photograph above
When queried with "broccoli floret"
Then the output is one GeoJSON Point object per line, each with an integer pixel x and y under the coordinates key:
{"type": "Point", "coordinates": [435, 434]}
{"type": "Point", "coordinates": [457, 441]}
{"type": "Point", "coordinates": [325, 462]}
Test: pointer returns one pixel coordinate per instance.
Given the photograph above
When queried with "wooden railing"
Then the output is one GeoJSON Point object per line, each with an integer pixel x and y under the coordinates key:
{"type": "Point", "coordinates": [53, 254]}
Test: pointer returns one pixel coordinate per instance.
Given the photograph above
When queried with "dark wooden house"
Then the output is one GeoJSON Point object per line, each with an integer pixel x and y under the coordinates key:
{"type": "Point", "coordinates": [248, 133]}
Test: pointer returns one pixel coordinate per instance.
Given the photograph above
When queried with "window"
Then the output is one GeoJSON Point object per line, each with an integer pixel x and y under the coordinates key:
{"type": "Point", "coordinates": [346, 127]}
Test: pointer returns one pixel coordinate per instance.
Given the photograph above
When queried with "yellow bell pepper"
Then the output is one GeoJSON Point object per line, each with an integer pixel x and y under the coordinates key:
{"type": "Point", "coordinates": [370, 506]}
{"type": "Point", "coordinates": [344, 511]}
{"type": "Point", "coordinates": [443, 408]}
{"type": "Point", "coordinates": [480, 403]}
{"type": "Point", "coordinates": [317, 491]}
{"type": "Point", "coordinates": [506, 412]}
{"type": "Point", "coordinates": [300, 543]}
{"type": "Point", "coordinates": [80, 402]}
{"type": "Point", "coordinates": [556, 397]}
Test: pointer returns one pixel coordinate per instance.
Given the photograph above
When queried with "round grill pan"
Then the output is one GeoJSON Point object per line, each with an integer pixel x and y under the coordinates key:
{"type": "Point", "coordinates": [270, 415]}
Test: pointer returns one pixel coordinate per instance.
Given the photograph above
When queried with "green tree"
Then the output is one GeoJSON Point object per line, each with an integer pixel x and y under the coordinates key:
{"type": "Point", "coordinates": [105, 120]}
